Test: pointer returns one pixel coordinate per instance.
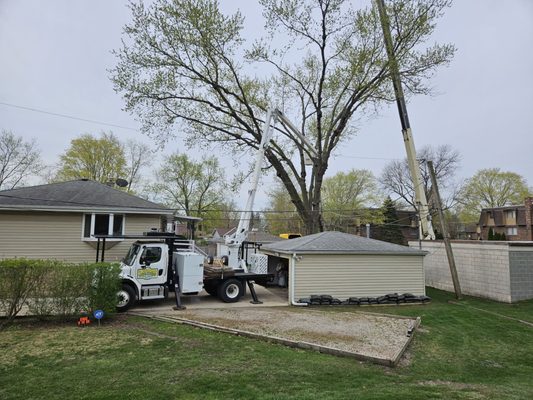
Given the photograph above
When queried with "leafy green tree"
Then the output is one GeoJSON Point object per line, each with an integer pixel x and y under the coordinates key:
{"type": "Point", "coordinates": [99, 159]}
{"type": "Point", "coordinates": [322, 61]}
{"type": "Point", "coordinates": [18, 160]}
{"type": "Point", "coordinates": [280, 214]}
{"type": "Point", "coordinates": [491, 188]}
{"type": "Point", "coordinates": [193, 188]}
{"type": "Point", "coordinates": [347, 198]}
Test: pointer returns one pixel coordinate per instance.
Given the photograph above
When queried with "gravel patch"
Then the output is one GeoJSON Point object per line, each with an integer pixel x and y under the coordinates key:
{"type": "Point", "coordinates": [366, 334]}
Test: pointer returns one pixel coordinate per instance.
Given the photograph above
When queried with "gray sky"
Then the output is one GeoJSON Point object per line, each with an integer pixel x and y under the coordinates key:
{"type": "Point", "coordinates": [55, 56]}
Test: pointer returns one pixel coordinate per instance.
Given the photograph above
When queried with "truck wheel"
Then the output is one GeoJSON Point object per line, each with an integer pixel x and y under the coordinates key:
{"type": "Point", "coordinates": [126, 298]}
{"type": "Point", "coordinates": [211, 289]}
{"type": "Point", "coordinates": [230, 291]}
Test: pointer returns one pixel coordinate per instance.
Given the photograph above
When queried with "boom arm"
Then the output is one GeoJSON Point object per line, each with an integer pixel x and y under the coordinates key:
{"type": "Point", "coordinates": [271, 118]}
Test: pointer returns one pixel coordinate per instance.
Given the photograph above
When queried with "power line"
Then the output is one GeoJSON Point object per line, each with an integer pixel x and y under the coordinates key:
{"type": "Point", "coordinates": [92, 121]}
{"type": "Point", "coordinates": [367, 158]}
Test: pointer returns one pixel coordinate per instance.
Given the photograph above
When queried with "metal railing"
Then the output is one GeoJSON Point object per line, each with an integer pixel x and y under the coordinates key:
{"type": "Point", "coordinates": [188, 246]}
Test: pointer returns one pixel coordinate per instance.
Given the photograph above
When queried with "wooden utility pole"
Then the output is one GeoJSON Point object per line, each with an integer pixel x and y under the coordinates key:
{"type": "Point", "coordinates": [445, 234]}
{"type": "Point", "coordinates": [416, 176]}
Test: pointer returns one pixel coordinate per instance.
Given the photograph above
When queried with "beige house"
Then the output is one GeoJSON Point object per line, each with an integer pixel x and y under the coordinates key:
{"type": "Point", "coordinates": [344, 265]}
{"type": "Point", "coordinates": [59, 220]}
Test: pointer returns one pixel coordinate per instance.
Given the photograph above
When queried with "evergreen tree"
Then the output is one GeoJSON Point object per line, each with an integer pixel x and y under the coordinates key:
{"type": "Point", "coordinates": [390, 231]}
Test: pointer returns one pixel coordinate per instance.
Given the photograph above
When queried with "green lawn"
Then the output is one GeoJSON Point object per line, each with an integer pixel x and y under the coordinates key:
{"type": "Point", "coordinates": [458, 353]}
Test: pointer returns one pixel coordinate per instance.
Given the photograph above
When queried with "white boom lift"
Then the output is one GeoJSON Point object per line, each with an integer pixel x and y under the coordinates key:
{"type": "Point", "coordinates": [235, 241]}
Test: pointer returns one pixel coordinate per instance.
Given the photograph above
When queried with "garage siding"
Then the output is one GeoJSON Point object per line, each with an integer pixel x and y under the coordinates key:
{"type": "Point", "coordinates": [58, 236]}
{"type": "Point", "coordinates": [344, 276]}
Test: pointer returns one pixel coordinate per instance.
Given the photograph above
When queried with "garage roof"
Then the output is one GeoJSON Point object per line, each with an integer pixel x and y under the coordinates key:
{"type": "Point", "coordinates": [338, 243]}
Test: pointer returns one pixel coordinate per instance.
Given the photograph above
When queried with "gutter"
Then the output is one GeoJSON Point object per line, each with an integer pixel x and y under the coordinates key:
{"type": "Point", "coordinates": [292, 273]}
{"type": "Point", "coordinates": [88, 209]}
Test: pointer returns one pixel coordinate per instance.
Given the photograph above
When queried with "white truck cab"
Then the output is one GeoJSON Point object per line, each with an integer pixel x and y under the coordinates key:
{"type": "Point", "coordinates": [144, 272]}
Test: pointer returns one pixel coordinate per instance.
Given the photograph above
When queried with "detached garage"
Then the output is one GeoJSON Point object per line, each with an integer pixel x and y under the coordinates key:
{"type": "Point", "coordinates": [344, 265]}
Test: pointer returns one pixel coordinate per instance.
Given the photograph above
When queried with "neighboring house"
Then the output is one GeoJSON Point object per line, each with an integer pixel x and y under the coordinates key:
{"type": "Point", "coordinates": [344, 265]}
{"type": "Point", "coordinates": [59, 220]}
{"type": "Point", "coordinates": [406, 220]}
{"type": "Point", "coordinates": [515, 221]}
{"type": "Point", "coordinates": [219, 233]}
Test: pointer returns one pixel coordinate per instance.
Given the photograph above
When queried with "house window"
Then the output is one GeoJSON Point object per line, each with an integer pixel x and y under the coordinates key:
{"type": "Point", "coordinates": [103, 224]}
{"type": "Point", "coordinates": [512, 231]}
{"type": "Point", "coordinates": [510, 215]}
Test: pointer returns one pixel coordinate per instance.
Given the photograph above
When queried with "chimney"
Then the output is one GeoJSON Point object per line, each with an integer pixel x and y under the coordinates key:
{"type": "Point", "coordinates": [528, 202]}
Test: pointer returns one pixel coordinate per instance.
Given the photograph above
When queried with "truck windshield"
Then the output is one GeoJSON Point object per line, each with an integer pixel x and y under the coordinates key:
{"type": "Point", "coordinates": [132, 253]}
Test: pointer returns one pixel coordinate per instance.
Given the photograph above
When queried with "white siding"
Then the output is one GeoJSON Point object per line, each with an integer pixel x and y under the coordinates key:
{"type": "Point", "coordinates": [58, 236]}
{"type": "Point", "coordinates": [344, 276]}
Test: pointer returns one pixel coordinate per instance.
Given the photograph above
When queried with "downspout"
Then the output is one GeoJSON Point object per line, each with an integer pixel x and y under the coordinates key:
{"type": "Point", "coordinates": [292, 273]}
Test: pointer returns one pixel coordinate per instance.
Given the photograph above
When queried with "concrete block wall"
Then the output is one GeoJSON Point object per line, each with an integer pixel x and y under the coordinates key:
{"type": "Point", "coordinates": [521, 272]}
{"type": "Point", "coordinates": [483, 268]}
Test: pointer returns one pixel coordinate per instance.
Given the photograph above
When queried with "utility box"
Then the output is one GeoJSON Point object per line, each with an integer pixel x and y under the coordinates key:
{"type": "Point", "coordinates": [190, 269]}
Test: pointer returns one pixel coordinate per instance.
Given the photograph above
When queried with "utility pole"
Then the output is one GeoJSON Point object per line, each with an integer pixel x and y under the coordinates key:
{"type": "Point", "coordinates": [416, 176]}
{"type": "Point", "coordinates": [445, 234]}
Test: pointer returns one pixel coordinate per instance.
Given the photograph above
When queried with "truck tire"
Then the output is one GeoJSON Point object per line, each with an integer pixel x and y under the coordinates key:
{"type": "Point", "coordinates": [211, 289]}
{"type": "Point", "coordinates": [125, 298]}
{"type": "Point", "coordinates": [230, 291]}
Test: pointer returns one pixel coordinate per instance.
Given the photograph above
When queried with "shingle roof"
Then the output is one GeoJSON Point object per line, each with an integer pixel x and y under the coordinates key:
{"type": "Point", "coordinates": [338, 243]}
{"type": "Point", "coordinates": [77, 195]}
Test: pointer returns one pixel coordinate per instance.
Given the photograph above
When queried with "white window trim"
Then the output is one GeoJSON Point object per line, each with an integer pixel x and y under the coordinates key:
{"type": "Point", "coordinates": [109, 229]}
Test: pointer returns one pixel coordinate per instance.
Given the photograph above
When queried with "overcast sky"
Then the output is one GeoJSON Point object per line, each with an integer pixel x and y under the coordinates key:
{"type": "Point", "coordinates": [55, 55]}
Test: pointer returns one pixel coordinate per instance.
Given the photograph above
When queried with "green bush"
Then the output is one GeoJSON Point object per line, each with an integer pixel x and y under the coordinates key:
{"type": "Point", "coordinates": [56, 289]}
{"type": "Point", "coordinates": [105, 285]}
{"type": "Point", "coordinates": [18, 279]}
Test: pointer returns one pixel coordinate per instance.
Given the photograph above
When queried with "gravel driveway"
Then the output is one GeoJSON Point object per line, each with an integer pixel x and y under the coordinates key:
{"type": "Point", "coordinates": [365, 334]}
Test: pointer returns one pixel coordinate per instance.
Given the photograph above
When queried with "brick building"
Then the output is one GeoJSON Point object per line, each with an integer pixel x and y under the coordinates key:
{"type": "Point", "coordinates": [514, 221]}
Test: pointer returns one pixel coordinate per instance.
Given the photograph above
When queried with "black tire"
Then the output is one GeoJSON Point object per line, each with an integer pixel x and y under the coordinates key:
{"type": "Point", "coordinates": [211, 289]}
{"type": "Point", "coordinates": [230, 291]}
{"type": "Point", "coordinates": [125, 298]}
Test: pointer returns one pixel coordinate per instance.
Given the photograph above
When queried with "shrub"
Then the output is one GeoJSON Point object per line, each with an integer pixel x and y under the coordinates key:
{"type": "Point", "coordinates": [57, 289]}
{"type": "Point", "coordinates": [105, 285]}
{"type": "Point", "coordinates": [18, 279]}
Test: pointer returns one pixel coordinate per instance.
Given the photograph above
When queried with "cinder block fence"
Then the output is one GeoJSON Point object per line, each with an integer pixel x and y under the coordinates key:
{"type": "Point", "coordinates": [500, 271]}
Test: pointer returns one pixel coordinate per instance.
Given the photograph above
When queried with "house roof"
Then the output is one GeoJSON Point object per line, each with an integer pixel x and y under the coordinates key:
{"type": "Point", "coordinates": [338, 243]}
{"type": "Point", "coordinates": [262, 237]}
{"type": "Point", "coordinates": [224, 231]}
{"type": "Point", "coordinates": [75, 196]}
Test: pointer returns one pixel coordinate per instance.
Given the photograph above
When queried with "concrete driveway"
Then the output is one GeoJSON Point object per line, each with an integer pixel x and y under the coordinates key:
{"type": "Point", "coordinates": [271, 297]}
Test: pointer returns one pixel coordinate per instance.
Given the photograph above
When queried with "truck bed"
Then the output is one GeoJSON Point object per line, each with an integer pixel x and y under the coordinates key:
{"type": "Point", "coordinates": [212, 271]}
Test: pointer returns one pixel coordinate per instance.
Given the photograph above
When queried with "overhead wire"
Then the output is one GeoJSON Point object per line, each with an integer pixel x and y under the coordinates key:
{"type": "Point", "coordinates": [92, 121]}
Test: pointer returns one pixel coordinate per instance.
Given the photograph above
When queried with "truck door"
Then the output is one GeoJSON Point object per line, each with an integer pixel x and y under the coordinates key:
{"type": "Point", "coordinates": [152, 268]}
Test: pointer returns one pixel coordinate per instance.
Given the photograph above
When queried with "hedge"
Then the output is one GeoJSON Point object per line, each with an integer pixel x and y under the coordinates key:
{"type": "Point", "coordinates": [54, 288]}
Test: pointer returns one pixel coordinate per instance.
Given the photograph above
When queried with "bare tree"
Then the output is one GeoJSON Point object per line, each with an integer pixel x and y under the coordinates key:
{"type": "Point", "coordinates": [322, 61]}
{"type": "Point", "coordinates": [18, 160]}
{"type": "Point", "coordinates": [138, 155]}
{"type": "Point", "coordinates": [396, 177]}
